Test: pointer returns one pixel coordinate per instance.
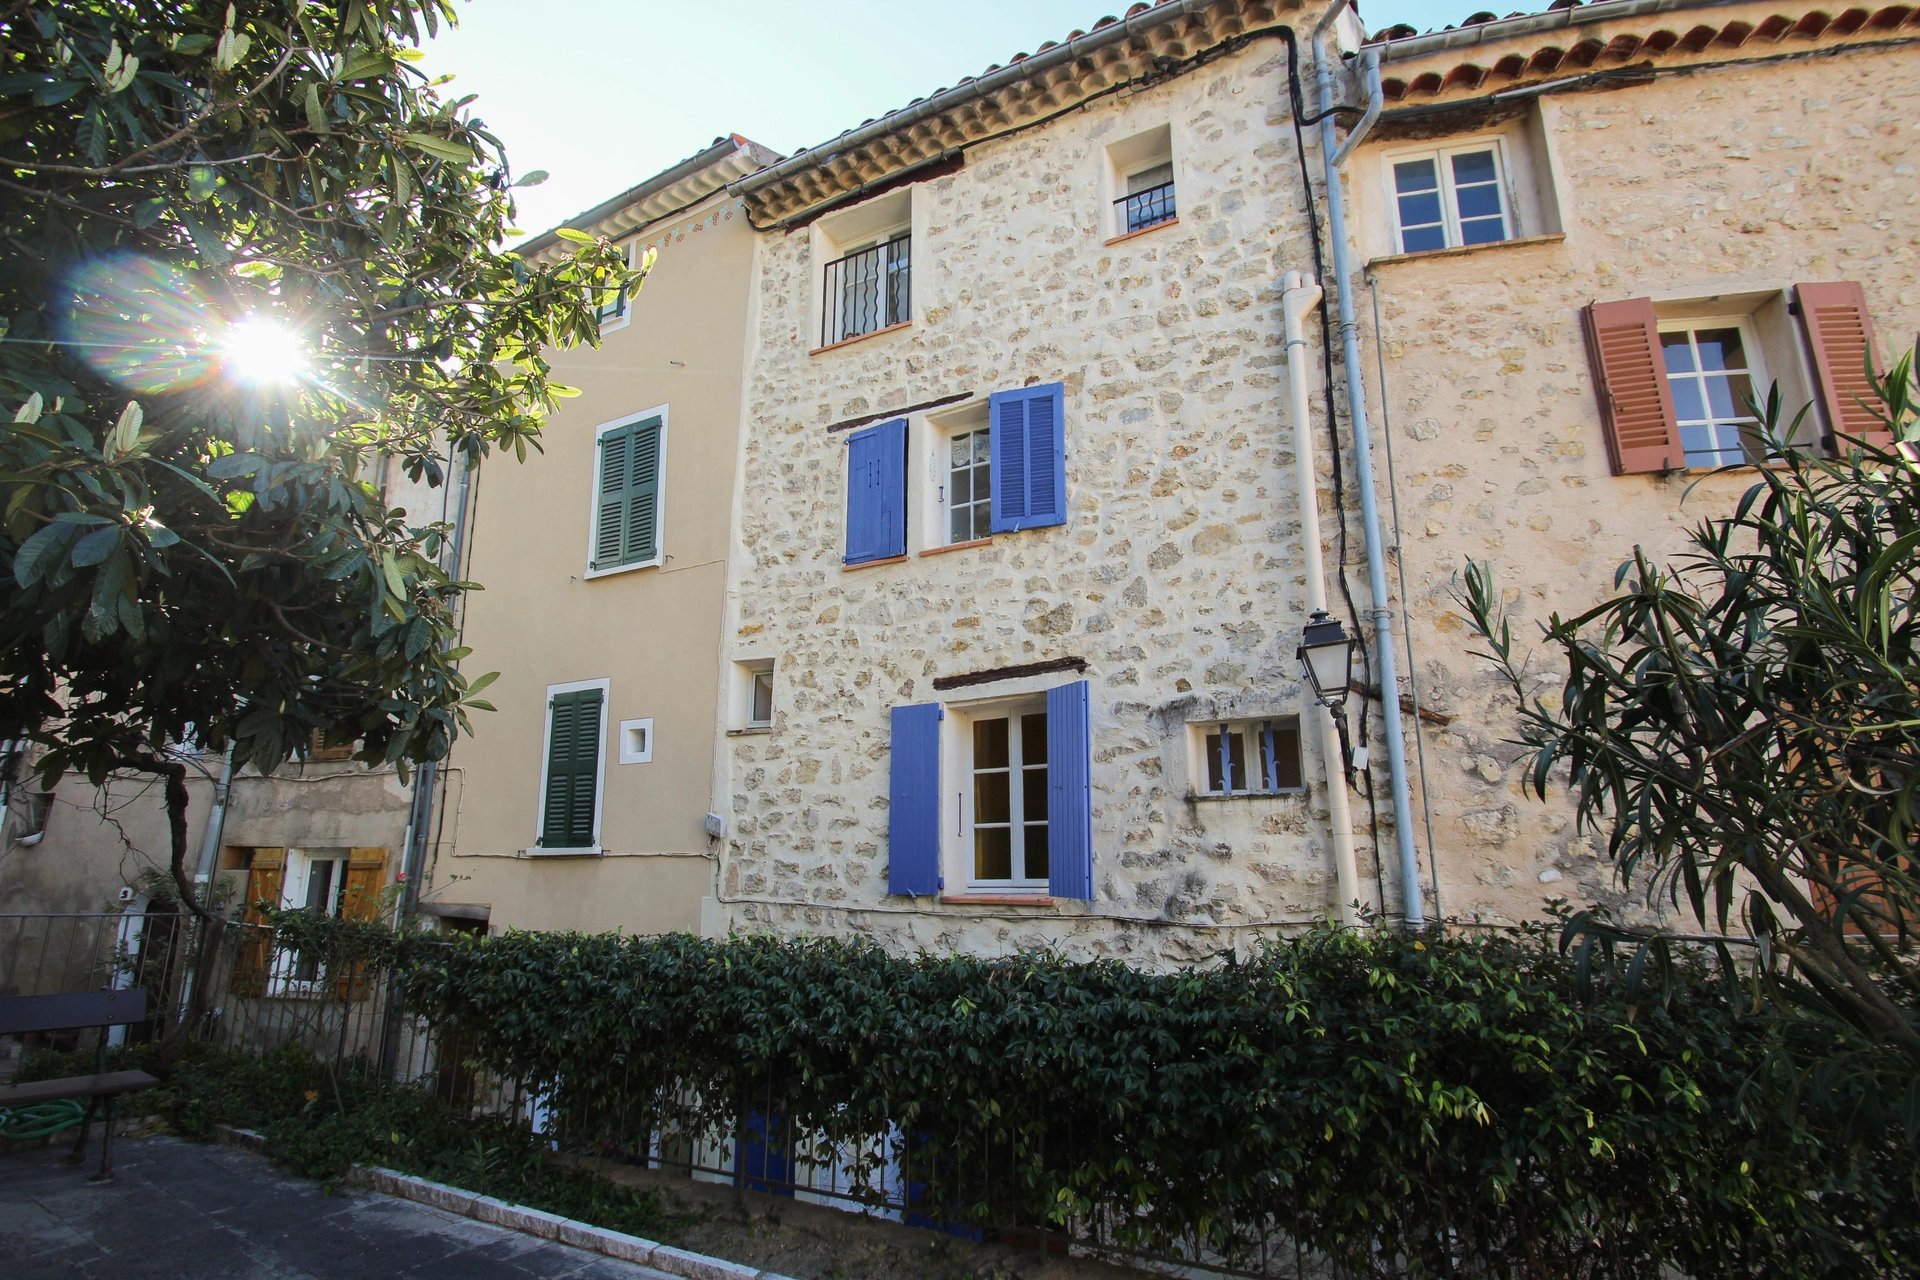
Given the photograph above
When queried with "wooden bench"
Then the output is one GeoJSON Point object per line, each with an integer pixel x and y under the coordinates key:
{"type": "Point", "coordinates": [78, 1011]}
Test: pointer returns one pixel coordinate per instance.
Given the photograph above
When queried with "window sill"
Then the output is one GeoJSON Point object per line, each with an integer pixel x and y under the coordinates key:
{"type": "Point", "coordinates": [847, 342]}
{"type": "Point", "coordinates": [996, 900]}
{"type": "Point", "coordinates": [654, 563]}
{"type": "Point", "coordinates": [956, 546]}
{"type": "Point", "coordinates": [588, 851]}
{"type": "Point", "coordinates": [1214, 797]}
{"type": "Point", "coordinates": [748, 730]}
{"type": "Point", "coordinates": [872, 564]}
{"type": "Point", "coordinates": [1461, 251]}
{"type": "Point", "coordinates": [1129, 235]}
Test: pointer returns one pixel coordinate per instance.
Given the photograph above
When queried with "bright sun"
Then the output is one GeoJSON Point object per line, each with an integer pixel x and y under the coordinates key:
{"type": "Point", "coordinates": [262, 352]}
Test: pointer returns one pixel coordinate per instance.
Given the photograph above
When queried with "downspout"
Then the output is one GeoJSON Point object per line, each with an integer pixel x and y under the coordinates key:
{"type": "Point", "coordinates": [1298, 295]}
{"type": "Point", "coordinates": [216, 824]}
{"type": "Point", "coordinates": [420, 816]}
{"type": "Point", "coordinates": [1380, 608]}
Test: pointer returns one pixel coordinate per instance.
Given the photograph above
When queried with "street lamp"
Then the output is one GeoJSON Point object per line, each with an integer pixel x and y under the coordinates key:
{"type": "Point", "coordinates": [1326, 651]}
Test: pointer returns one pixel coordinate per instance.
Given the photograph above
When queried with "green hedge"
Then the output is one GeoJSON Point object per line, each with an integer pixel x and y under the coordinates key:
{"type": "Point", "coordinates": [1395, 1104]}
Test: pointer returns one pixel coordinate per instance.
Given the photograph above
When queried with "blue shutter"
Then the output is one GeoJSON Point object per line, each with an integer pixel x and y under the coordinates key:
{"type": "Point", "coordinates": [1069, 792]}
{"type": "Point", "coordinates": [1029, 458]}
{"type": "Point", "coordinates": [913, 816]}
{"type": "Point", "coordinates": [877, 492]}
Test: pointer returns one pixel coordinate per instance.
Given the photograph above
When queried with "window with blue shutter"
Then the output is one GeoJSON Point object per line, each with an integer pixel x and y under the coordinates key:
{"type": "Point", "coordinates": [1029, 458]}
{"type": "Point", "coordinates": [626, 519]}
{"type": "Point", "coordinates": [1070, 792]}
{"type": "Point", "coordinates": [573, 769]}
{"type": "Point", "coordinates": [913, 814]}
{"type": "Point", "coordinates": [877, 492]}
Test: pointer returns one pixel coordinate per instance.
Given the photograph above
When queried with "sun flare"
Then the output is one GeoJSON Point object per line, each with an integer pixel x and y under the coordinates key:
{"type": "Point", "coordinates": [262, 352]}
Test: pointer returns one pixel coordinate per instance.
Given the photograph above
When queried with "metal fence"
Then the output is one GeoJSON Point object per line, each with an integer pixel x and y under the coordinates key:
{"type": "Point", "coordinates": [867, 290]}
{"type": "Point", "coordinates": [236, 985]}
{"type": "Point", "coordinates": [1148, 208]}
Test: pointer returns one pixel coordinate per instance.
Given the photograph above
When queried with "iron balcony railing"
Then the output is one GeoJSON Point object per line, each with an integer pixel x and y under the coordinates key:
{"type": "Point", "coordinates": [1147, 208]}
{"type": "Point", "coordinates": [868, 290]}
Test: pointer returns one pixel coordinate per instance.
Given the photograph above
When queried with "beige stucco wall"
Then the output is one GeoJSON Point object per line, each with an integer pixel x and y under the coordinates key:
{"type": "Point", "coordinates": [652, 633]}
{"type": "Point", "coordinates": [1177, 575]}
{"type": "Point", "coordinates": [1713, 183]}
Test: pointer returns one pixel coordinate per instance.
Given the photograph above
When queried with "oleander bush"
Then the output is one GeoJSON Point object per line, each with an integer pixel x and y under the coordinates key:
{"type": "Point", "coordinates": [1387, 1103]}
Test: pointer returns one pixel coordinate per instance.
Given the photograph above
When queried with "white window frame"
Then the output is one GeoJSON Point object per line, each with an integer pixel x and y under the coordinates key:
{"type": "Point", "coordinates": [963, 719]}
{"type": "Point", "coordinates": [746, 672]}
{"type": "Point", "coordinates": [298, 874]}
{"type": "Point", "coordinates": [943, 481]}
{"type": "Point", "coordinates": [659, 496]}
{"type": "Point", "coordinates": [1127, 157]}
{"type": "Point", "coordinates": [856, 230]}
{"type": "Point", "coordinates": [612, 321]}
{"type": "Point", "coordinates": [534, 848]}
{"type": "Point", "coordinates": [1449, 201]}
{"type": "Point", "coordinates": [1758, 378]}
{"type": "Point", "coordinates": [1201, 730]}
{"type": "Point", "coordinates": [629, 754]}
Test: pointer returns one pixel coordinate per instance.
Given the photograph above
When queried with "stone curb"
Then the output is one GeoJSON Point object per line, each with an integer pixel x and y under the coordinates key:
{"type": "Point", "coordinates": [533, 1222]}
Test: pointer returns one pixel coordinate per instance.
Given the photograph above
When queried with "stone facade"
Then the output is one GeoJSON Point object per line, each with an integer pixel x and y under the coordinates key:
{"type": "Point", "coordinates": [1709, 190]}
{"type": "Point", "coordinates": [1176, 576]}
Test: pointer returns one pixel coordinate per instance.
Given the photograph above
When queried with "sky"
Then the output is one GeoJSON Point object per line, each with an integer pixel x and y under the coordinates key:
{"type": "Point", "coordinates": [603, 94]}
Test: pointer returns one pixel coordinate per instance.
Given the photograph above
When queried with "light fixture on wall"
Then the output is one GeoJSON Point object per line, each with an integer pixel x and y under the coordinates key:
{"type": "Point", "coordinates": [1326, 653]}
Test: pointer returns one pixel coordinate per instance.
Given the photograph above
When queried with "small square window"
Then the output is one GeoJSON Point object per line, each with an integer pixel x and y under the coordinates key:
{"type": "Point", "coordinates": [1250, 758]}
{"type": "Point", "coordinates": [1450, 198]}
{"type": "Point", "coordinates": [752, 694]}
{"type": "Point", "coordinates": [636, 741]}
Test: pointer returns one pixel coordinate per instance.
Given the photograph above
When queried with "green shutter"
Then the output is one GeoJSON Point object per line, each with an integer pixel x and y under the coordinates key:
{"type": "Point", "coordinates": [627, 523]}
{"type": "Point", "coordinates": [573, 770]}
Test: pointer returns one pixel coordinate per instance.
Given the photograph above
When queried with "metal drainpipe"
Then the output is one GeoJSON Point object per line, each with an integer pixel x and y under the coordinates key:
{"type": "Point", "coordinates": [1380, 607]}
{"type": "Point", "coordinates": [1299, 293]}
{"type": "Point", "coordinates": [420, 819]}
{"type": "Point", "coordinates": [216, 822]}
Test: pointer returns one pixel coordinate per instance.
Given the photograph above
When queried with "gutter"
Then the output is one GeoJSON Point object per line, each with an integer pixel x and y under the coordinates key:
{"type": "Point", "coordinates": [1380, 605]}
{"type": "Point", "coordinates": [1025, 69]}
{"type": "Point", "coordinates": [1532, 24]}
{"type": "Point", "coordinates": [731, 145]}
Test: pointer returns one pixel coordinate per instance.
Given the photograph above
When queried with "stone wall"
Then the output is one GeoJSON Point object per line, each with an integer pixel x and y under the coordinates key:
{"type": "Point", "coordinates": [1712, 183]}
{"type": "Point", "coordinates": [1177, 576]}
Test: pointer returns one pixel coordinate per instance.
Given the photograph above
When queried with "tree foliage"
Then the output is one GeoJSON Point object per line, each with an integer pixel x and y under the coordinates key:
{"type": "Point", "coordinates": [1744, 724]}
{"type": "Point", "coordinates": [190, 556]}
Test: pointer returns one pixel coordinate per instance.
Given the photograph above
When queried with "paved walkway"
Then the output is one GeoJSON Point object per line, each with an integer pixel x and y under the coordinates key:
{"type": "Point", "coordinates": [187, 1211]}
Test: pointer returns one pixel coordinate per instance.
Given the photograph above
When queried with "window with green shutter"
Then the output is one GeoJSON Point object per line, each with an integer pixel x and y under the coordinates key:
{"type": "Point", "coordinates": [626, 517]}
{"type": "Point", "coordinates": [571, 784]}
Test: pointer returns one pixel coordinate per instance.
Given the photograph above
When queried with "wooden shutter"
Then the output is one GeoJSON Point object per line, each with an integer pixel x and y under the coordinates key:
{"type": "Point", "coordinates": [365, 882]}
{"type": "Point", "coordinates": [573, 770]}
{"type": "Point", "coordinates": [1069, 792]}
{"type": "Point", "coordinates": [1630, 378]}
{"type": "Point", "coordinates": [266, 882]}
{"type": "Point", "coordinates": [913, 810]}
{"type": "Point", "coordinates": [1840, 338]}
{"type": "Point", "coordinates": [877, 492]}
{"type": "Point", "coordinates": [626, 522]}
{"type": "Point", "coordinates": [1029, 457]}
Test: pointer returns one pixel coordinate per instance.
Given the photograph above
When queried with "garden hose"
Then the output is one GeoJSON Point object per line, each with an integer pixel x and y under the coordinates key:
{"type": "Point", "coordinates": [41, 1120]}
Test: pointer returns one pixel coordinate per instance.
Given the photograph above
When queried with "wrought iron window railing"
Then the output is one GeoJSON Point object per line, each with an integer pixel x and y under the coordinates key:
{"type": "Point", "coordinates": [867, 290]}
{"type": "Point", "coordinates": [1147, 208]}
